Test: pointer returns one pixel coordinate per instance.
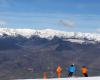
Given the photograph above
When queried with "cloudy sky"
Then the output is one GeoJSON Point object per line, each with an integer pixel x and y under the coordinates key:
{"type": "Point", "coordinates": [67, 15]}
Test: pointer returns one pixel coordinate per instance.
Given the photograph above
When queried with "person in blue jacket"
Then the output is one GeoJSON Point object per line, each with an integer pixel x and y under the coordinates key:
{"type": "Point", "coordinates": [71, 70]}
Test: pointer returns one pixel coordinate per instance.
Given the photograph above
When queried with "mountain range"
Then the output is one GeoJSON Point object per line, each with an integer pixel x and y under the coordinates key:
{"type": "Point", "coordinates": [27, 53]}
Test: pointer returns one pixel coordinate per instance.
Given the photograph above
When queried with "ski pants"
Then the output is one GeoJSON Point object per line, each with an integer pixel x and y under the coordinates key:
{"type": "Point", "coordinates": [70, 74]}
{"type": "Point", "coordinates": [59, 75]}
{"type": "Point", "coordinates": [85, 74]}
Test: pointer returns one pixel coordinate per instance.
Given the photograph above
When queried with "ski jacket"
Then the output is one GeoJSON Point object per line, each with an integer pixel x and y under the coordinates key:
{"type": "Point", "coordinates": [84, 70]}
{"type": "Point", "coordinates": [72, 69]}
{"type": "Point", "coordinates": [59, 69]}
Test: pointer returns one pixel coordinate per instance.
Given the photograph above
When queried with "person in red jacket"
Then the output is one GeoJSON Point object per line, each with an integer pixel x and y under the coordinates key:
{"type": "Point", "coordinates": [45, 75]}
{"type": "Point", "coordinates": [59, 70]}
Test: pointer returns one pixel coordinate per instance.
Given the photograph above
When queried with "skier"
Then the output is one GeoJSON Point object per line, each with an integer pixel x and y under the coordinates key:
{"type": "Point", "coordinates": [71, 70]}
{"type": "Point", "coordinates": [45, 75]}
{"type": "Point", "coordinates": [84, 71]}
{"type": "Point", "coordinates": [59, 70]}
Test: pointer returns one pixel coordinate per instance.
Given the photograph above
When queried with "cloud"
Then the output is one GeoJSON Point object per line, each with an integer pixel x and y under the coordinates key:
{"type": "Point", "coordinates": [67, 23]}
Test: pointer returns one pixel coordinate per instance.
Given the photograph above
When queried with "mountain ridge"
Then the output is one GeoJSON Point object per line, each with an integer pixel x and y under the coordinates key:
{"type": "Point", "coordinates": [42, 51]}
{"type": "Point", "coordinates": [49, 34]}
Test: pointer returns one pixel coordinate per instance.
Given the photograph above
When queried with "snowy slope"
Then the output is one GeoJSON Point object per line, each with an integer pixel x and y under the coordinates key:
{"type": "Point", "coordinates": [88, 78]}
{"type": "Point", "coordinates": [50, 34]}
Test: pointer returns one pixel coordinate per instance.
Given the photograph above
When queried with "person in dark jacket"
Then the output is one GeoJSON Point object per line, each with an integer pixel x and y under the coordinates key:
{"type": "Point", "coordinates": [71, 70]}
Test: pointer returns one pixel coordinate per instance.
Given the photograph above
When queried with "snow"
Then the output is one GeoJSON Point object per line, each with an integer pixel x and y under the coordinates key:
{"type": "Point", "coordinates": [50, 34]}
{"type": "Point", "coordinates": [79, 41]}
{"type": "Point", "coordinates": [81, 78]}
{"type": "Point", "coordinates": [74, 40]}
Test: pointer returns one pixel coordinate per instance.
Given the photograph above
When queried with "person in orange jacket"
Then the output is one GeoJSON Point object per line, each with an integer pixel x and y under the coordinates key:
{"type": "Point", "coordinates": [84, 71]}
{"type": "Point", "coordinates": [59, 70]}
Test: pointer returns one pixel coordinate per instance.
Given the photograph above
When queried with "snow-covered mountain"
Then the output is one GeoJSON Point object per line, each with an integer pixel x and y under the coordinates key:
{"type": "Point", "coordinates": [50, 34]}
{"type": "Point", "coordinates": [25, 49]}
